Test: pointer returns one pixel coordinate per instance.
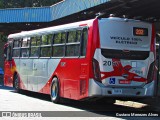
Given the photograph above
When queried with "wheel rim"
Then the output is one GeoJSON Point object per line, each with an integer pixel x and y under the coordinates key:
{"type": "Point", "coordinates": [54, 90]}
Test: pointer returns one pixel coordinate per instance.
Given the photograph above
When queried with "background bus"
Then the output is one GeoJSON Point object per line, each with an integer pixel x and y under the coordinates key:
{"type": "Point", "coordinates": [90, 59]}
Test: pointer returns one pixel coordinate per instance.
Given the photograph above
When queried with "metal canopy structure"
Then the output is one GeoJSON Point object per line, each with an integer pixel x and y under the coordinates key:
{"type": "Point", "coordinates": [47, 14]}
{"type": "Point", "coordinates": [14, 20]}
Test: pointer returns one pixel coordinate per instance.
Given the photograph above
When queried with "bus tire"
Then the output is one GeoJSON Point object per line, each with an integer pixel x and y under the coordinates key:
{"type": "Point", "coordinates": [16, 83]}
{"type": "Point", "coordinates": [55, 90]}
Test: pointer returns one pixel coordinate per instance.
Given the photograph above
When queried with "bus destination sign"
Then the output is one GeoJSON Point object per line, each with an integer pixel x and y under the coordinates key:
{"type": "Point", "coordinates": [140, 31]}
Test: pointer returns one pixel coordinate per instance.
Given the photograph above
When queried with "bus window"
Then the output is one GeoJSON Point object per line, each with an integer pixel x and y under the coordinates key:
{"type": "Point", "coordinates": [16, 52]}
{"type": "Point", "coordinates": [58, 51]}
{"type": "Point", "coordinates": [24, 42]}
{"type": "Point", "coordinates": [24, 52]}
{"type": "Point", "coordinates": [50, 37]}
{"type": "Point", "coordinates": [16, 48]}
{"type": "Point", "coordinates": [57, 38]}
{"type": "Point", "coordinates": [16, 43]}
{"type": "Point", "coordinates": [63, 37]}
{"type": "Point", "coordinates": [59, 44]}
{"type": "Point", "coordinates": [33, 41]}
{"type": "Point", "coordinates": [71, 36]}
{"type": "Point", "coordinates": [84, 42]}
{"type": "Point", "coordinates": [46, 45]}
{"type": "Point", "coordinates": [44, 39]}
{"type": "Point", "coordinates": [72, 50]}
{"type": "Point", "coordinates": [73, 43]}
{"type": "Point", "coordinates": [78, 36]}
{"type": "Point", "coordinates": [25, 47]}
{"type": "Point", "coordinates": [46, 51]}
{"type": "Point", "coordinates": [38, 38]}
{"type": "Point", "coordinates": [47, 39]}
{"type": "Point", "coordinates": [34, 52]}
{"type": "Point", "coordinates": [28, 42]}
{"type": "Point", "coordinates": [74, 36]}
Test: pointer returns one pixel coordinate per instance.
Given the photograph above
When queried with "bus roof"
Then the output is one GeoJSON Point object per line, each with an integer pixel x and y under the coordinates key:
{"type": "Point", "coordinates": [64, 27]}
{"type": "Point", "coordinates": [50, 29]}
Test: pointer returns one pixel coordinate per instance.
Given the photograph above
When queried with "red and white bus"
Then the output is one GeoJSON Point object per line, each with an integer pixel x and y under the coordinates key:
{"type": "Point", "coordinates": [102, 57]}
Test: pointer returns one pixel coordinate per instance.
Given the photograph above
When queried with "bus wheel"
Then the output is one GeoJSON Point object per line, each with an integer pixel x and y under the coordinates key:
{"type": "Point", "coordinates": [55, 91]}
{"type": "Point", "coordinates": [16, 83]}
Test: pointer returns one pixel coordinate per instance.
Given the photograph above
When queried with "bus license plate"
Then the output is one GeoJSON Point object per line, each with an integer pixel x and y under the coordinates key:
{"type": "Point", "coordinates": [117, 91]}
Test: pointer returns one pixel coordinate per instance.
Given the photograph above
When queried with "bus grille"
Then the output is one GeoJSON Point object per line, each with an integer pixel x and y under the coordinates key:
{"type": "Point", "coordinates": [128, 55]}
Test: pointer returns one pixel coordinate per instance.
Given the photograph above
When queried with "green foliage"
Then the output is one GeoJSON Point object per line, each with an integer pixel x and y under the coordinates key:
{"type": "Point", "coordinates": [58, 51]}
{"type": "Point", "coordinates": [1, 4]}
{"type": "Point", "coordinates": [26, 3]}
{"type": "Point", "coordinates": [33, 41]}
{"type": "Point", "coordinates": [34, 51]}
{"type": "Point", "coordinates": [72, 36]}
{"type": "Point", "coordinates": [47, 39]}
{"type": "Point", "coordinates": [44, 40]}
{"type": "Point", "coordinates": [57, 38]}
{"type": "Point", "coordinates": [3, 38]}
{"type": "Point", "coordinates": [46, 51]}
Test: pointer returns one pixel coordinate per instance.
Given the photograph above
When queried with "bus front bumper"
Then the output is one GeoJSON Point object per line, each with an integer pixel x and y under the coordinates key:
{"type": "Point", "coordinates": [98, 89]}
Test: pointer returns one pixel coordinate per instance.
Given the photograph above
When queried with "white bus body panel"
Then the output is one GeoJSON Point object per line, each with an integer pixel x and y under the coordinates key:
{"type": "Point", "coordinates": [35, 73]}
{"type": "Point", "coordinates": [117, 34]}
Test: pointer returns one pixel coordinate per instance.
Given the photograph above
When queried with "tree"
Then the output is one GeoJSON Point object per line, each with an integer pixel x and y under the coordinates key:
{"type": "Point", "coordinates": [1, 4]}
{"type": "Point", "coordinates": [3, 38]}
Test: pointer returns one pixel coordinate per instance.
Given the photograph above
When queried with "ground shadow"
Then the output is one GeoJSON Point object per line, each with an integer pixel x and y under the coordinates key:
{"type": "Point", "coordinates": [92, 109]}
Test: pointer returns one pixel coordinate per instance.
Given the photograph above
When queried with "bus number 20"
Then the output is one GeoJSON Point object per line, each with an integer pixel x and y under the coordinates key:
{"type": "Point", "coordinates": [107, 63]}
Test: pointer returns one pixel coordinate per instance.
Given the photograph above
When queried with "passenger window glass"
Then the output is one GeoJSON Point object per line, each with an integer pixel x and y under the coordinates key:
{"type": "Point", "coordinates": [16, 52]}
{"type": "Point", "coordinates": [46, 52]}
{"type": "Point", "coordinates": [28, 42]}
{"type": "Point", "coordinates": [74, 37]}
{"type": "Point", "coordinates": [25, 42]}
{"type": "Point", "coordinates": [34, 52]}
{"type": "Point", "coordinates": [44, 40]}
{"type": "Point", "coordinates": [47, 39]}
{"type": "Point", "coordinates": [24, 52]}
{"type": "Point", "coordinates": [38, 40]}
{"type": "Point", "coordinates": [72, 50]}
{"type": "Point", "coordinates": [50, 37]}
{"type": "Point", "coordinates": [63, 37]}
{"type": "Point", "coordinates": [16, 43]}
{"type": "Point", "coordinates": [58, 51]}
{"type": "Point", "coordinates": [33, 41]}
{"type": "Point", "coordinates": [84, 42]}
{"type": "Point", "coordinates": [71, 36]}
{"type": "Point", "coordinates": [57, 38]}
{"type": "Point", "coordinates": [78, 36]}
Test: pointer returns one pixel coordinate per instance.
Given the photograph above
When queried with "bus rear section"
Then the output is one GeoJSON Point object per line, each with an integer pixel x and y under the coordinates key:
{"type": "Point", "coordinates": [124, 65]}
